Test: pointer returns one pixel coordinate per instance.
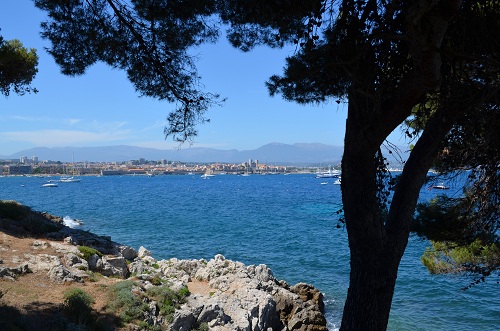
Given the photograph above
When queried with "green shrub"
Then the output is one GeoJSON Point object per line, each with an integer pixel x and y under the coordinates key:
{"type": "Point", "coordinates": [202, 327]}
{"type": "Point", "coordinates": [77, 305]}
{"type": "Point", "coordinates": [168, 299]}
{"type": "Point", "coordinates": [156, 281]}
{"type": "Point", "coordinates": [130, 307]}
{"type": "Point", "coordinates": [124, 303]}
{"type": "Point", "coordinates": [87, 252]}
{"type": "Point", "coordinates": [184, 292]}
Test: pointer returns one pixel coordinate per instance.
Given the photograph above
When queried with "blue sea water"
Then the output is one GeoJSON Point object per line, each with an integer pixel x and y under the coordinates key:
{"type": "Point", "coordinates": [286, 222]}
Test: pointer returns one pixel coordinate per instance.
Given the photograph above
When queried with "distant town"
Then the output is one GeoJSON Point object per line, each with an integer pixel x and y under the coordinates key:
{"type": "Point", "coordinates": [33, 166]}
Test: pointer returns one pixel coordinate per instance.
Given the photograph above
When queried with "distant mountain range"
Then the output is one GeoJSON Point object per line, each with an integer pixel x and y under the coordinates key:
{"type": "Point", "coordinates": [296, 154]}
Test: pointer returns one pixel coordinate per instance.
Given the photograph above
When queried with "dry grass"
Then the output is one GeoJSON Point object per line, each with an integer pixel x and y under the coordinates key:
{"type": "Point", "coordinates": [33, 298]}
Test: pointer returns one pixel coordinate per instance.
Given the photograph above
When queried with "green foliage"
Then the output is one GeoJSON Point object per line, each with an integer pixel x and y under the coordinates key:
{"type": "Point", "coordinates": [202, 327]}
{"type": "Point", "coordinates": [168, 299]}
{"type": "Point", "coordinates": [475, 258]}
{"type": "Point", "coordinates": [87, 252]}
{"type": "Point", "coordinates": [77, 305]}
{"type": "Point", "coordinates": [124, 303]}
{"type": "Point", "coordinates": [18, 67]}
{"type": "Point", "coordinates": [156, 281]}
{"type": "Point", "coordinates": [130, 307]}
{"type": "Point", "coordinates": [463, 237]}
{"type": "Point", "coordinates": [440, 220]}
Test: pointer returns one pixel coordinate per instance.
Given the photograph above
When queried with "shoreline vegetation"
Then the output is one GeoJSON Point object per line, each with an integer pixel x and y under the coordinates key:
{"type": "Point", "coordinates": [53, 277]}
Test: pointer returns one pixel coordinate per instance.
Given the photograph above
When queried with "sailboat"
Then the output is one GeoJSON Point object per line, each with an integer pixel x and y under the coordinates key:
{"type": "Point", "coordinates": [72, 179]}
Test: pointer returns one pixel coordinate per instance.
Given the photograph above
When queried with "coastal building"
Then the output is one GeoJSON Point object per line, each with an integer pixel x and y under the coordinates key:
{"type": "Point", "coordinates": [19, 170]}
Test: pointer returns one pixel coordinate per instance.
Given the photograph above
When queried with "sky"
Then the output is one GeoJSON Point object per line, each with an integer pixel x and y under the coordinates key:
{"type": "Point", "coordinates": [101, 108]}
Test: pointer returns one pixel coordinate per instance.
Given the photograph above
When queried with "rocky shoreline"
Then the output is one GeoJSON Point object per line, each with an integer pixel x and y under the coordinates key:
{"type": "Point", "coordinates": [223, 294]}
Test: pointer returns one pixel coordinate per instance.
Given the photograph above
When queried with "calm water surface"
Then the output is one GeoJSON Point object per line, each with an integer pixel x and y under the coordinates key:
{"type": "Point", "coordinates": [286, 222]}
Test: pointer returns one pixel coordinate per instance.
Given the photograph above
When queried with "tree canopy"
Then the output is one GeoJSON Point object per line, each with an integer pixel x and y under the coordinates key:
{"type": "Point", "coordinates": [18, 67]}
{"type": "Point", "coordinates": [434, 62]}
{"type": "Point", "coordinates": [147, 39]}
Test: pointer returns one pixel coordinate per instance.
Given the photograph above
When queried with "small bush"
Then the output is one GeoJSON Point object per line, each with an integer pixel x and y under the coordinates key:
{"type": "Point", "coordinates": [156, 281]}
{"type": "Point", "coordinates": [202, 327]}
{"type": "Point", "coordinates": [168, 299]}
{"type": "Point", "coordinates": [77, 305]}
{"type": "Point", "coordinates": [124, 303]}
{"type": "Point", "coordinates": [87, 252]}
{"type": "Point", "coordinates": [184, 292]}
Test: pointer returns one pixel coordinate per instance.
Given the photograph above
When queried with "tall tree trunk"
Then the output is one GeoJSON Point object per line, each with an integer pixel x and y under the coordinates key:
{"type": "Point", "coordinates": [373, 265]}
{"type": "Point", "coordinates": [377, 240]}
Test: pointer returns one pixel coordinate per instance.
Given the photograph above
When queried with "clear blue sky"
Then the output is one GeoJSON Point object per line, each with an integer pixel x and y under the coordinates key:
{"type": "Point", "coordinates": [101, 107]}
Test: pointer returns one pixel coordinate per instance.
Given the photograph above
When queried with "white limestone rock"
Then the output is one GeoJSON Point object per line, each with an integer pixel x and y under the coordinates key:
{"type": "Point", "coordinates": [143, 252]}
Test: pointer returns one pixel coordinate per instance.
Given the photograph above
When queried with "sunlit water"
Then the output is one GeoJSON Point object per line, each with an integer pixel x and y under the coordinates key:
{"type": "Point", "coordinates": [286, 222]}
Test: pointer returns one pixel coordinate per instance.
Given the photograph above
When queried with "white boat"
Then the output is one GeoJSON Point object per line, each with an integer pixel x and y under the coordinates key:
{"type": "Point", "coordinates": [50, 184]}
{"type": "Point", "coordinates": [69, 180]}
{"type": "Point", "coordinates": [207, 176]}
{"type": "Point", "coordinates": [440, 187]}
{"type": "Point", "coordinates": [329, 174]}
{"type": "Point", "coordinates": [337, 182]}
{"type": "Point", "coordinates": [324, 183]}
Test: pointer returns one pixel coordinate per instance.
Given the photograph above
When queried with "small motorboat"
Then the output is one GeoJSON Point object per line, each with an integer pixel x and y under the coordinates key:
{"type": "Point", "coordinates": [50, 184]}
{"type": "Point", "coordinates": [440, 187]}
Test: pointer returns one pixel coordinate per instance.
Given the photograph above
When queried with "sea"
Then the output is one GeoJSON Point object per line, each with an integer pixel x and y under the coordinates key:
{"type": "Point", "coordinates": [288, 223]}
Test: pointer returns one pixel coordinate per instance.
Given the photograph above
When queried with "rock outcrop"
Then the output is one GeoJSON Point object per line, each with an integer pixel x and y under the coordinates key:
{"type": "Point", "coordinates": [239, 297]}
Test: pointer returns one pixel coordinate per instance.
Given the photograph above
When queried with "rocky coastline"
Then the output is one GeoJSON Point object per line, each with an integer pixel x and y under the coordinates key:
{"type": "Point", "coordinates": [223, 294]}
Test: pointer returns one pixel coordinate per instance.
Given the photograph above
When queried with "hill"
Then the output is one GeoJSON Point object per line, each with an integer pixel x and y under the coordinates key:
{"type": "Point", "coordinates": [297, 154]}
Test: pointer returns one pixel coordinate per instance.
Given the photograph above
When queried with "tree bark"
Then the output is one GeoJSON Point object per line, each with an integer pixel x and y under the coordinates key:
{"type": "Point", "coordinates": [377, 241]}
{"type": "Point", "coordinates": [373, 264]}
